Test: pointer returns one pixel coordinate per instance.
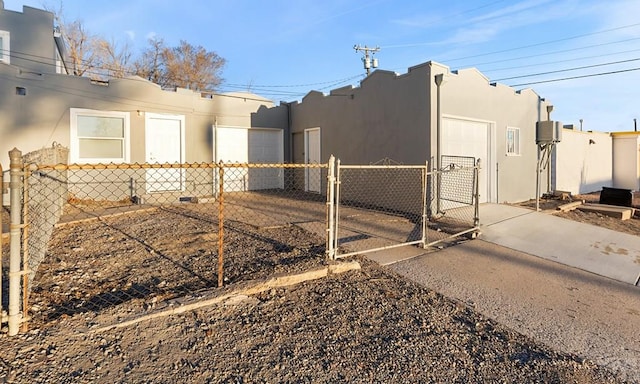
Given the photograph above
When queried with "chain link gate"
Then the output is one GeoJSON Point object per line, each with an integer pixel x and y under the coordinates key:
{"type": "Point", "coordinates": [380, 207]}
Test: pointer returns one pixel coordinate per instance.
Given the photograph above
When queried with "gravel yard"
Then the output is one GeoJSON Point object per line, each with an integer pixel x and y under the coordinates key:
{"type": "Point", "coordinates": [369, 325]}
{"type": "Point", "coordinates": [361, 326]}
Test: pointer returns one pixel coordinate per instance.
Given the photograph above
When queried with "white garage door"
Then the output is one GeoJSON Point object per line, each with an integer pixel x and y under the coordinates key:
{"type": "Point", "coordinates": [469, 138]}
{"type": "Point", "coordinates": [254, 146]}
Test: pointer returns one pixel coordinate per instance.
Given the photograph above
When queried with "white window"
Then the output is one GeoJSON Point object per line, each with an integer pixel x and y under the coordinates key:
{"type": "Point", "coordinates": [99, 136]}
{"type": "Point", "coordinates": [513, 141]}
{"type": "Point", "coordinates": [5, 47]}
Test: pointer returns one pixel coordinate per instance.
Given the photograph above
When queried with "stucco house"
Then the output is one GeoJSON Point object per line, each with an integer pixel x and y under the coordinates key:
{"type": "Point", "coordinates": [127, 120]}
{"type": "Point", "coordinates": [403, 117]}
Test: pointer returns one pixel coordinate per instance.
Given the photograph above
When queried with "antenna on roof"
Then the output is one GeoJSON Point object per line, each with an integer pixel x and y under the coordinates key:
{"type": "Point", "coordinates": [368, 60]}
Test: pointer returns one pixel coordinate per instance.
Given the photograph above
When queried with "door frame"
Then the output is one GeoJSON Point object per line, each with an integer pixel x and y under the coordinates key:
{"type": "Point", "coordinates": [148, 116]}
{"type": "Point", "coordinates": [307, 170]}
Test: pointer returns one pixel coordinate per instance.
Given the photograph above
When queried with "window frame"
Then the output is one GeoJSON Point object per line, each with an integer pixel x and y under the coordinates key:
{"type": "Point", "coordinates": [74, 147]}
{"type": "Point", "coordinates": [516, 139]}
{"type": "Point", "coordinates": [5, 52]}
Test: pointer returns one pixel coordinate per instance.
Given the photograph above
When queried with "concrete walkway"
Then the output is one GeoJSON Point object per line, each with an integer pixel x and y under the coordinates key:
{"type": "Point", "coordinates": [594, 249]}
{"type": "Point", "coordinates": [587, 247]}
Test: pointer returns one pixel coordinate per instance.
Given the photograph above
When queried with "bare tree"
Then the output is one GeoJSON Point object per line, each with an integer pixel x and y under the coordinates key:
{"type": "Point", "coordinates": [150, 63]}
{"type": "Point", "coordinates": [185, 66]}
{"type": "Point", "coordinates": [83, 48]}
{"type": "Point", "coordinates": [192, 67]}
{"type": "Point", "coordinates": [114, 59]}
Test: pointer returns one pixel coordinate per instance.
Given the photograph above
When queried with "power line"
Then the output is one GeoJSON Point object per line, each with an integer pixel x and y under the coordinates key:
{"type": "Point", "coordinates": [556, 52]}
{"type": "Point", "coordinates": [295, 85]}
{"type": "Point", "coordinates": [577, 77]}
{"type": "Point", "coordinates": [568, 69]}
{"type": "Point", "coordinates": [582, 58]}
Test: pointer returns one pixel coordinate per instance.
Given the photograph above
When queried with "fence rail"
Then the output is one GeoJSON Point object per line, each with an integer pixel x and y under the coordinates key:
{"type": "Point", "coordinates": [99, 239]}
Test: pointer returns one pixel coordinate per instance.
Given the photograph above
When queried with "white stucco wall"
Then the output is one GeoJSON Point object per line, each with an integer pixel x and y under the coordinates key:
{"type": "Point", "coordinates": [582, 162]}
{"type": "Point", "coordinates": [626, 170]}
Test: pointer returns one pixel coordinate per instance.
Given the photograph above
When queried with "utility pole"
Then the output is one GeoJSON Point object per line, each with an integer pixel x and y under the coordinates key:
{"type": "Point", "coordinates": [368, 60]}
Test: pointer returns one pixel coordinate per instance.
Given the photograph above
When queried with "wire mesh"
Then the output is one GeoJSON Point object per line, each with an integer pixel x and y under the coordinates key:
{"type": "Point", "coordinates": [379, 207]}
{"type": "Point", "coordinates": [95, 237]}
{"type": "Point", "coordinates": [453, 200]}
{"type": "Point", "coordinates": [103, 235]}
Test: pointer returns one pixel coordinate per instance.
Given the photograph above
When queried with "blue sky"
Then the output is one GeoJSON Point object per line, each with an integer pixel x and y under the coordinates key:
{"type": "Point", "coordinates": [284, 49]}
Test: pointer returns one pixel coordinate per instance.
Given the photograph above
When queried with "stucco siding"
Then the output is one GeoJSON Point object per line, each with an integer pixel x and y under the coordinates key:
{"type": "Point", "coordinates": [396, 116]}
{"type": "Point", "coordinates": [386, 117]}
{"type": "Point", "coordinates": [42, 116]}
{"type": "Point", "coordinates": [582, 162]}
{"type": "Point", "coordinates": [468, 94]}
{"type": "Point", "coordinates": [31, 37]}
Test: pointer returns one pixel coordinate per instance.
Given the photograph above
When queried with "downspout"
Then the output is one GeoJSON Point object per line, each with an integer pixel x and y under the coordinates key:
{"type": "Point", "coordinates": [439, 79]}
{"type": "Point", "coordinates": [289, 158]}
{"type": "Point", "coordinates": [216, 174]}
{"type": "Point", "coordinates": [540, 100]}
{"type": "Point", "coordinates": [215, 139]}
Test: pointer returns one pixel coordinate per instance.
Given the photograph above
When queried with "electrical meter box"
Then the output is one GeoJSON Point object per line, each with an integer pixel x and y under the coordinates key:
{"type": "Point", "coordinates": [548, 132]}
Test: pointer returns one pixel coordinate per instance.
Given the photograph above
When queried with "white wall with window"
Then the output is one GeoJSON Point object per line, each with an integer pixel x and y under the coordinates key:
{"type": "Point", "coordinates": [5, 47]}
{"type": "Point", "coordinates": [99, 136]}
{"type": "Point", "coordinates": [513, 141]}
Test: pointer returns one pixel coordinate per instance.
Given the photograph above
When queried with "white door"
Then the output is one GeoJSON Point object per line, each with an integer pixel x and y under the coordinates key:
{"type": "Point", "coordinates": [164, 142]}
{"type": "Point", "coordinates": [312, 180]}
{"type": "Point", "coordinates": [250, 145]}
{"type": "Point", "coordinates": [469, 138]}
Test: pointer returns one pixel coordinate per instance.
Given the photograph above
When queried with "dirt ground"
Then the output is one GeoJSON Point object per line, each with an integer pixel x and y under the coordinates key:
{"type": "Point", "coordinates": [370, 325]}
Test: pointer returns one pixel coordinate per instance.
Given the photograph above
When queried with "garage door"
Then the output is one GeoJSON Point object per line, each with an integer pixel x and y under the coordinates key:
{"type": "Point", "coordinates": [255, 146]}
{"type": "Point", "coordinates": [469, 138]}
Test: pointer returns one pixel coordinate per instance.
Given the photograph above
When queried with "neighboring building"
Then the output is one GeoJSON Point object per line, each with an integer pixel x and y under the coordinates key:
{"type": "Point", "coordinates": [397, 117]}
{"type": "Point", "coordinates": [128, 120]}
{"type": "Point", "coordinates": [582, 162]}
{"type": "Point", "coordinates": [131, 120]}
{"type": "Point", "coordinates": [29, 41]}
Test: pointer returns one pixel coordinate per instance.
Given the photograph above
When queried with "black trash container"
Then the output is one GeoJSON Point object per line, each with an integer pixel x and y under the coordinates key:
{"type": "Point", "coordinates": [616, 196]}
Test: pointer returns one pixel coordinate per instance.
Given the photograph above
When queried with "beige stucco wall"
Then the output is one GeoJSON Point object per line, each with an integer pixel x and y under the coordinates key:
{"type": "Point", "coordinates": [468, 94]}
{"type": "Point", "coordinates": [366, 124]}
{"type": "Point", "coordinates": [395, 116]}
{"type": "Point", "coordinates": [582, 162]}
{"type": "Point", "coordinates": [42, 116]}
{"type": "Point", "coordinates": [32, 43]}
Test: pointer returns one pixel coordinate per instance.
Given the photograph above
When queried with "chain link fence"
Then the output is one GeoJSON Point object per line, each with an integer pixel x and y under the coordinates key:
{"type": "Point", "coordinates": [98, 236]}
{"type": "Point", "coordinates": [114, 239]}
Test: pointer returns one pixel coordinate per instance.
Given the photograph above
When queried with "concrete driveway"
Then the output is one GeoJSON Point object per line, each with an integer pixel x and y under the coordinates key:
{"type": "Point", "coordinates": [566, 284]}
{"type": "Point", "coordinates": [563, 307]}
{"type": "Point", "coordinates": [594, 249]}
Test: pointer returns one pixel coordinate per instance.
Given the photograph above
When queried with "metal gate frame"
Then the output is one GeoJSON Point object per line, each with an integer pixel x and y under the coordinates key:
{"type": "Point", "coordinates": [334, 185]}
{"type": "Point", "coordinates": [334, 208]}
